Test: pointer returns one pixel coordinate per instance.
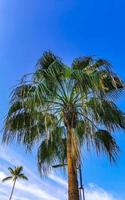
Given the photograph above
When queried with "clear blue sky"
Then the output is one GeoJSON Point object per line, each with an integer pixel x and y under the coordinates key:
{"type": "Point", "coordinates": [70, 28]}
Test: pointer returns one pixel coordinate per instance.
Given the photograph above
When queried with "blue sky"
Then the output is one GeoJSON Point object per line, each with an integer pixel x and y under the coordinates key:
{"type": "Point", "coordinates": [70, 28]}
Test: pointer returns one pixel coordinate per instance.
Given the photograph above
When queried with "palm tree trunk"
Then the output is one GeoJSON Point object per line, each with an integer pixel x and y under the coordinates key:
{"type": "Point", "coordinates": [12, 190]}
{"type": "Point", "coordinates": [73, 192]}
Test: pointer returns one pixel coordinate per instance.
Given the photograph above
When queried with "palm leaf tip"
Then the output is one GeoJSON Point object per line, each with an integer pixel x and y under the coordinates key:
{"type": "Point", "coordinates": [47, 59]}
{"type": "Point", "coordinates": [22, 176]}
{"type": "Point", "coordinates": [82, 62]}
{"type": "Point", "coordinates": [7, 179]}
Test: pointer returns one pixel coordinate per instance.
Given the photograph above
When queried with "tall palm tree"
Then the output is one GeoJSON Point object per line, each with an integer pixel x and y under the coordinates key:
{"type": "Point", "coordinates": [15, 174]}
{"type": "Point", "coordinates": [60, 109]}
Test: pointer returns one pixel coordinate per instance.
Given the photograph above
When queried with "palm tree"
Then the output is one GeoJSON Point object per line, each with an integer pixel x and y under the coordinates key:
{"type": "Point", "coordinates": [15, 174]}
{"type": "Point", "coordinates": [60, 109]}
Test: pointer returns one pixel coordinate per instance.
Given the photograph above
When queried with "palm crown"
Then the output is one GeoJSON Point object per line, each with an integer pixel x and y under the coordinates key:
{"type": "Point", "coordinates": [15, 174]}
{"type": "Point", "coordinates": [60, 105]}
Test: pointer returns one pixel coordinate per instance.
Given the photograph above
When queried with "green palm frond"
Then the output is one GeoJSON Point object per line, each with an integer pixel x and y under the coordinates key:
{"type": "Point", "coordinates": [47, 59]}
{"type": "Point", "coordinates": [22, 176]}
{"type": "Point", "coordinates": [18, 170]}
{"type": "Point", "coordinates": [106, 113]}
{"type": "Point", "coordinates": [84, 131]}
{"type": "Point", "coordinates": [52, 151]}
{"type": "Point", "coordinates": [100, 64]}
{"type": "Point", "coordinates": [82, 62]}
{"type": "Point", "coordinates": [83, 82]}
{"type": "Point", "coordinates": [104, 142]}
{"type": "Point", "coordinates": [27, 127]}
{"type": "Point", "coordinates": [11, 170]}
{"type": "Point", "coordinates": [7, 179]}
{"type": "Point", "coordinates": [100, 72]}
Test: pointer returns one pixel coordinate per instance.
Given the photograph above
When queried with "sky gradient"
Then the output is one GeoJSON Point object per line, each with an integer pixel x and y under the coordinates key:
{"type": "Point", "coordinates": [70, 28]}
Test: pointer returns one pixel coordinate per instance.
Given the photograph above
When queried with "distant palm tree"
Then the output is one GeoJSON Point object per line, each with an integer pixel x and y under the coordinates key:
{"type": "Point", "coordinates": [15, 174]}
{"type": "Point", "coordinates": [61, 108]}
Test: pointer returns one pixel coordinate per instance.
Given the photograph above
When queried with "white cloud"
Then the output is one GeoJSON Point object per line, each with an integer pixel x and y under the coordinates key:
{"type": "Point", "coordinates": [96, 193]}
{"type": "Point", "coordinates": [58, 180]}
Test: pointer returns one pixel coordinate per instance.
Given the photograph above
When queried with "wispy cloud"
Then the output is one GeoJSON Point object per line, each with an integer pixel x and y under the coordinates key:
{"type": "Point", "coordinates": [58, 180]}
{"type": "Point", "coordinates": [94, 192]}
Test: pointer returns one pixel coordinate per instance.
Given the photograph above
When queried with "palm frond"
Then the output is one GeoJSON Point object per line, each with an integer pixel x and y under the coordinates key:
{"type": "Point", "coordinates": [51, 151]}
{"type": "Point", "coordinates": [107, 113]}
{"type": "Point", "coordinates": [104, 142]}
{"type": "Point", "coordinates": [18, 170]}
{"type": "Point", "coordinates": [47, 59]}
{"type": "Point", "coordinates": [100, 64]}
{"type": "Point", "coordinates": [11, 170]}
{"type": "Point", "coordinates": [83, 81]}
{"type": "Point", "coordinates": [82, 62]}
{"type": "Point", "coordinates": [22, 176]}
{"type": "Point", "coordinates": [7, 179]}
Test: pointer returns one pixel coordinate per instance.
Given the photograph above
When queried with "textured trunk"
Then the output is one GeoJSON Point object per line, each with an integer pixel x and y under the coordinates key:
{"type": "Point", "coordinates": [12, 190]}
{"type": "Point", "coordinates": [73, 192]}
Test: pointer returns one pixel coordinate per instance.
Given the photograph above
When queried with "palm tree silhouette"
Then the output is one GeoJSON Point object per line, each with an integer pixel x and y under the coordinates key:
{"type": "Point", "coordinates": [15, 174]}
